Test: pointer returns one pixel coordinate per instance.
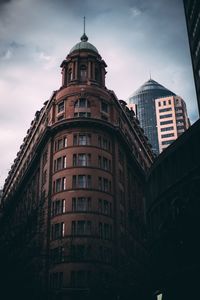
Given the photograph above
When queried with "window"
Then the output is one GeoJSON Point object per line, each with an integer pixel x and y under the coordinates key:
{"type": "Point", "coordinates": [179, 114]}
{"type": "Point", "coordinates": [60, 143]}
{"type": "Point", "coordinates": [105, 207]}
{"type": "Point", "coordinates": [104, 163]}
{"type": "Point", "coordinates": [82, 114]}
{"type": "Point", "coordinates": [82, 103]}
{"type": "Point", "coordinates": [104, 107]}
{"type": "Point", "coordinates": [167, 135]}
{"type": "Point", "coordinates": [60, 163]}
{"type": "Point", "coordinates": [105, 254]}
{"type": "Point", "coordinates": [83, 73]}
{"type": "Point", "coordinates": [167, 128]}
{"type": "Point", "coordinates": [81, 227]}
{"type": "Point", "coordinates": [105, 231]}
{"type": "Point", "coordinates": [57, 207]}
{"type": "Point", "coordinates": [59, 185]}
{"type": "Point", "coordinates": [103, 143]}
{"type": "Point", "coordinates": [159, 104]}
{"type": "Point", "coordinates": [81, 204]}
{"type": "Point", "coordinates": [57, 231]}
{"type": "Point", "coordinates": [166, 122]}
{"type": "Point", "coordinates": [80, 252]}
{"type": "Point", "coordinates": [164, 103]}
{"type": "Point", "coordinates": [81, 181]}
{"type": "Point", "coordinates": [69, 75]}
{"type": "Point", "coordinates": [165, 116]}
{"type": "Point", "coordinates": [44, 177]}
{"type": "Point", "coordinates": [80, 278]}
{"type": "Point", "coordinates": [167, 142]}
{"type": "Point", "coordinates": [165, 109]}
{"type": "Point", "coordinates": [180, 127]}
{"type": "Point", "coordinates": [57, 255]}
{"type": "Point", "coordinates": [44, 158]}
{"type": "Point", "coordinates": [104, 184]}
{"type": "Point", "coordinates": [56, 280]}
{"type": "Point", "coordinates": [60, 107]}
{"type": "Point", "coordinates": [82, 139]}
{"type": "Point", "coordinates": [169, 101]}
{"type": "Point", "coordinates": [81, 159]}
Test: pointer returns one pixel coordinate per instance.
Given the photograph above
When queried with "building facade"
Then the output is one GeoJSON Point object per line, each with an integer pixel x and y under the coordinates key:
{"type": "Point", "coordinates": [192, 15]}
{"type": "Point", "coordinates": [171, 119]}
{"type": "Point", "coordinates": [143, 103]}
{"type": "Point", "coordinates": [73, 218]}
{"type": "Point", "coordinates": [173, 213]}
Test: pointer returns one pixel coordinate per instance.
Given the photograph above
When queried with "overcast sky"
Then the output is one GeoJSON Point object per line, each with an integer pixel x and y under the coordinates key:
{"type": "Point", "coordinates": [134, 37]}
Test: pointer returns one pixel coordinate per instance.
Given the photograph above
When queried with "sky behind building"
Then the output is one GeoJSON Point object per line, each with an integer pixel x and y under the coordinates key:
{"type": "Point", "coordinates": [134, 37]}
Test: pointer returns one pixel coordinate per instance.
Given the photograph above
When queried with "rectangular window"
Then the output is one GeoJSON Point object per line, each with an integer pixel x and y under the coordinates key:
{"type": "Point", "coordinates": [104, 107]}
{"type": "Point", "coordinates": [59, 185]}
{"type": "Point", "coordinates": [167, 128]}
{"type": "Point", "coordinates": [165, 109]}
{"type": "Point", "coordinates": [58, 207]}
{"type": "Point", "coordinates": [56, 280]}
{"type": "Point", "coordinates": [57, 231]}
{"type": "Point", "coordinates": [104, 163]}
{"type": "Point", "coordinates": [82, 139]}
{"type": "Point", "coordinates": [167, 142]}
{"type": "Point", "coordinates": [60, 106]}
{"type": "Point", "coordinates": [81, 227]}
{"type": "Point", "coordinates": [165, 116]}
{"type": "Point", "coordinates": [80, 278]}
{"type": "Point", "coordinates": [167, 135]}
{"type": "Point", "coordinates": [105, 231]}
{"type": "Point", "coordinates": [104, 184]}
{"type": "Point", "coordinates": [105, 207]}
{"type": "Point", "coordinates": [104, 143]}
{"type": "Point", "coordinates": [81, 159]}
{"type": "Point", "coordinates": [81, 204]}
{"type": "Point", "coordinates": [81, 181]}
{"type": "Point", "coordinates": [166, 122]}
{"type": "Point", "coordinates": [57, 255]}
{"type": "Point", "coordinates": [60, 143]}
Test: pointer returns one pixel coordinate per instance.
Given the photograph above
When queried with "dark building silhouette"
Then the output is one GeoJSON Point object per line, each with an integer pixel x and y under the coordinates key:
{"type": "Point", "coordinates": [73, 220]}
{"type": "Point", "coordinates": [143, 103]}
{"type": "Point", "coordinates": [192, 15]}
{"type": "Point", "coordinates": [173, 210]}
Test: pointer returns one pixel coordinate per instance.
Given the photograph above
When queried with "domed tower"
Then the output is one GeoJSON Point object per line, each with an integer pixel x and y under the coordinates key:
{"type": "Point", "coordinates": [143, 102]}
{"type": "Point", "coordinates": [88, 156]}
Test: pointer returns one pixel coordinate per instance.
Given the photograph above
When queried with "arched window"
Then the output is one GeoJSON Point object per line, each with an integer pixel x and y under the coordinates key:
{"type": "Point", "coordinates": [83, 73]}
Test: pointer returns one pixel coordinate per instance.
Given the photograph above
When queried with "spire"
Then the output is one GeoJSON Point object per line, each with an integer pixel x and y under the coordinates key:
{"type": "Point", "coordinates": [84, 37]}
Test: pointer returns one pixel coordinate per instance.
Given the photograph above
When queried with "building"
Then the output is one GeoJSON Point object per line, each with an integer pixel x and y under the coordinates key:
{"type": "Point", "coordinates": [143, 103]}
{"type": "Point", "coordinates": [173, 213]}
{"type": "Point", "coordinates": [73, 220]}
{"type": "Point", "coordinates": [192, 15]}
{"type": "Point", "coordinates": [171, 118]}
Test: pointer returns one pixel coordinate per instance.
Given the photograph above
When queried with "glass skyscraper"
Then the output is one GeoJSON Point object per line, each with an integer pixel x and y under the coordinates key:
{"type": "Point", "coordinates": [143, 103]}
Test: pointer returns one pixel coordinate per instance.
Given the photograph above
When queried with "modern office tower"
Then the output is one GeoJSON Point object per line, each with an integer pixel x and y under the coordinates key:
{"type": "Point", "coordinates": [192, 15]}
{"type": "Point", "coordinates": [143, 103]}
{"type": "Point", "coordinates": [73, 221]}
{"type": "Point", "coordinates": [171, 118]}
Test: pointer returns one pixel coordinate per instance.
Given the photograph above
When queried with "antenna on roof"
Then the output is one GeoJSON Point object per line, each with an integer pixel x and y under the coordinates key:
{"type": "Point", "coordinates": [84, 25]}
{"type": "Point", "coordinates": [150, 74]}
{"type": "Point", "coordinates": [84, 37]}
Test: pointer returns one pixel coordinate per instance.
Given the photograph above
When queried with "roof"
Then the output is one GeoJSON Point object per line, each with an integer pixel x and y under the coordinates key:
{"type": "Point", "coordinates": [149, 86]}
{"type": "Point", "coordinates": [84, 45]}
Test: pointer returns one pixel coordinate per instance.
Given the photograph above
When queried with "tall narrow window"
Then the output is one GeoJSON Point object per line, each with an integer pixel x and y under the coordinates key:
{"type": "Point", "coordinates": [83, 73]}
{"type": "Point", "coordinates": [69, 75]}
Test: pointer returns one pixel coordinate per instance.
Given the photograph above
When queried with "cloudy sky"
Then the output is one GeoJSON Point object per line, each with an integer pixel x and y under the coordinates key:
{"type": "Point", "coordinates": [135, 38]}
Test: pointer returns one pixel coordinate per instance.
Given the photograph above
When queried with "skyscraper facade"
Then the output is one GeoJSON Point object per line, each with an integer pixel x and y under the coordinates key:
{"type": "Point", "coordinates": [192, 14]}
{"type": "Point", "coordinates": [171, 119]}
{"type": "Point", "coordinates": [73, 221]}
{"type": "Point", "coordinates": [143, 103]}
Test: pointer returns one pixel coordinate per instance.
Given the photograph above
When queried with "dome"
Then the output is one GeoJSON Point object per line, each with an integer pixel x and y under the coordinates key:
{"type": "Point", "coordinates": [149, 86]}
{"type": "Point", "coordinates": [84, 45]}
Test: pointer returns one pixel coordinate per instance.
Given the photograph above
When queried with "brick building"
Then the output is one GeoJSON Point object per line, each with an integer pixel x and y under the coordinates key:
{"type": "Point", "coordinates": [73, 222]}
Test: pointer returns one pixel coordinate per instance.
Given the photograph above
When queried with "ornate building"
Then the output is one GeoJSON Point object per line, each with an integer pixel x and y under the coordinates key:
{"type": "Point", "coordinates": [72, 222]}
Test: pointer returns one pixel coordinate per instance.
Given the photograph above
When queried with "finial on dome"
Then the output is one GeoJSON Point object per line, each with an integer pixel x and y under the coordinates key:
{"type": "Point", "coordinates": [84, 37]}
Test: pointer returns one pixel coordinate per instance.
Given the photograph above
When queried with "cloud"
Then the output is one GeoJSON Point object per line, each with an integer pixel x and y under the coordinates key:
{"type": "Point", "coordinates": [133, 37]}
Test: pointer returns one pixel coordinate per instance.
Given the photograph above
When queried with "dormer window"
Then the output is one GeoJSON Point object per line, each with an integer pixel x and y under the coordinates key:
{"type": "Point", "coordinates": [104, 107]}
{"type": "Point", "coordinates": [82, 102]}
{"type": "Point", "coordinates": [83, 73]}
